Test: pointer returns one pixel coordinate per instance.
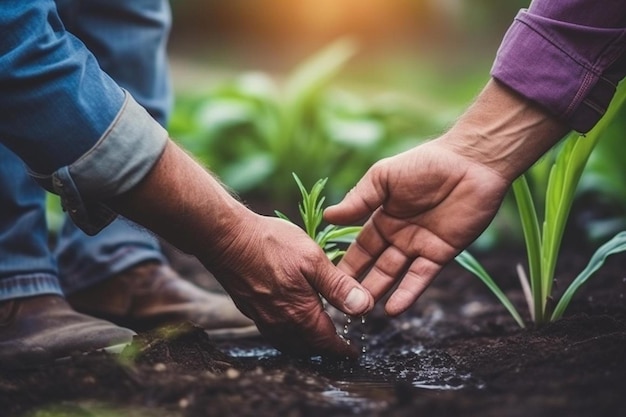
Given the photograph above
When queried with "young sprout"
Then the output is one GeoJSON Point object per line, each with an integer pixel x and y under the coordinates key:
{"type": "Point", "coordinates": [311, 210]}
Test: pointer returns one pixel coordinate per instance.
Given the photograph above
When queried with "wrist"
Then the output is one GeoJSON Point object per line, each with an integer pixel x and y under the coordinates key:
{"type": "Point", "coordinates": [504, 131]}
{"type": "Point", "coordinates": [183, 203]}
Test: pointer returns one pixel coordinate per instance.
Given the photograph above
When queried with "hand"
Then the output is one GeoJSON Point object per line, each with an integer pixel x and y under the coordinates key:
{"type": "Point", "coordinates": [270, 267]}
{"type": "Point", "coordinates": [426, 205]}
{"type": "Point", "coordinates": [429, 203]}
{"type": "Point", "coordinates": [274, 272]}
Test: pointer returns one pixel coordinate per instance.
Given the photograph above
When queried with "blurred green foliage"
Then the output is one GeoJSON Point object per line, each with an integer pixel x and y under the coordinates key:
{"type": "Point", "coordinates": [255, 131]}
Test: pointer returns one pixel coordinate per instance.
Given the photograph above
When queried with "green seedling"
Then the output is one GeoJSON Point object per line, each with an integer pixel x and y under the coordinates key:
{"type": "Point", "coordinates": [311, 210]}
{"type": "Point", "coordinates": [543, 240]}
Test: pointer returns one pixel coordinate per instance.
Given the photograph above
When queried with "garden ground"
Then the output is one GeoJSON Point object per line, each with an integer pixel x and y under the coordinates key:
{"type": "Point", "coordinates": [457, 352]}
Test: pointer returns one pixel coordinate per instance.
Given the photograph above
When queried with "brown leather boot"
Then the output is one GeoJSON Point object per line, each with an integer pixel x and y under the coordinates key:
{"type": "Point", "coordinates": [152, 295]}
{"type": "Point", "coordinates": [37, 330]}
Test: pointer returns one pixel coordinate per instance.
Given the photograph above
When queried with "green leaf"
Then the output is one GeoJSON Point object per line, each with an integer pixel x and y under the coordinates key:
{"type": "Point", "coordinates": [355, 133]}
{"type": "Point", "coordinates": [314, 73]}
{"type": "Point", "coordinates": [283, 216]}
{"type": "Point", "coordinates": [217, 115]}
{"type": "Point", "coordinates": [335, 234]}
{"type": "Point", "coordinates": [249, 172]}
{"type": "Point", "coordinates": [615, 245]}
{"type": "Point", "coordinates": [532, 238]}
{"type": "Point", "coordinates": [467, 261]}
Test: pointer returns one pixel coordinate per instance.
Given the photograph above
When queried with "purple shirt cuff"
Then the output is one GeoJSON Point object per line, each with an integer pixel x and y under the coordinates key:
{"type": "Point", "coordinates": [570, 69]}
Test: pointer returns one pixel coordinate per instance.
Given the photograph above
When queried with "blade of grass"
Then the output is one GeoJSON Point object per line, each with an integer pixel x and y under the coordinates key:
{"type": "Point", "coordinates": [532, 239]}
{"type": "Point", "coordinates": [467, 261]}
{"type": "Point", "coordinates": [615, 245]}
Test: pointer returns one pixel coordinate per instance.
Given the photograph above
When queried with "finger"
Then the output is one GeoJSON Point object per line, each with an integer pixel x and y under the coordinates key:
{"type": "Point", "coordinates": [420, 274]}
{"type": "Point", "coordinates": [314, 336]}
{"type": "Point", "coordinates": [359, 203]}
{"type": "Point", "coordinates": [388, 268]}
{"type": "Point", "coordinates": [339, 289]}
{"type": "Point", "coordinates": [360, 255]}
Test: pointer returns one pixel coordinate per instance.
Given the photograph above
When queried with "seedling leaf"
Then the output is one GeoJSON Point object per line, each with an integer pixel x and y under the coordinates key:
{"type": "Point", "coordinates": [467, 261]}
{"type": "Point", "coordinates": [615, 245]}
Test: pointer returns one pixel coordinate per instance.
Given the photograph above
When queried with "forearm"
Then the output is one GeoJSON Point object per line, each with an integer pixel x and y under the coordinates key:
{"type": "Point", "coordinates": [185, 204]}
{"type": "Point", "coordinates": [504, 131]}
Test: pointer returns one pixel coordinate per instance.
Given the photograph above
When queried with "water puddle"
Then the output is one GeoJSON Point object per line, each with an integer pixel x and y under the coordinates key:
{"type": "Point", "coordinates": [379, 377]}
{"type": "Point", "coordinates": [392, 367]}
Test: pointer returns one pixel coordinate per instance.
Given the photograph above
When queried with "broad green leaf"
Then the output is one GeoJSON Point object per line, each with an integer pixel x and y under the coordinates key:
{"type": "Point", "coordinates": [615, 245]}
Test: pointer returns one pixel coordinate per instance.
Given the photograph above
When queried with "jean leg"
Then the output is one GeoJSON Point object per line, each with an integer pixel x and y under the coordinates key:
{"type": "Point", "coordinates": [27, 267]}
{"type": "Point", "coordinates": [129, 39]}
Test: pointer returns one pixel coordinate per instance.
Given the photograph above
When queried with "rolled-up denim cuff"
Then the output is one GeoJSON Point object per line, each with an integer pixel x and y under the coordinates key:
{"type": "Point", "coordinates": [120, 159]}
{"type": "Point", "coordinates": [29, 286]}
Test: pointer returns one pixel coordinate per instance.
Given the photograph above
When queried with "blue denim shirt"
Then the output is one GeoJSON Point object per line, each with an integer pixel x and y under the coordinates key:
{"type": "Point", "coordinates": [566, 55]}
{"type": "Point", "coordinates": [81, 135]}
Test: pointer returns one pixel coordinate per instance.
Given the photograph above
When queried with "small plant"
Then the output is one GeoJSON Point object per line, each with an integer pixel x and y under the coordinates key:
{"type": "Point", "coordinates": [543, 241]}
{"type": "Point", "coordinates": [311, 210]}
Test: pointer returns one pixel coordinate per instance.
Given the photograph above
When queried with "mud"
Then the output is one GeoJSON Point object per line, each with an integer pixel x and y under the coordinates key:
{"type": "Point", "coordinates": [457, 352]}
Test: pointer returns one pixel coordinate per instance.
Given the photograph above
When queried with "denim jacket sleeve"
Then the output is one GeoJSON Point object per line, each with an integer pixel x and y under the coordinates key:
{"type": "Point", "coordinates": [566, 55]}
{"type": "Point", "coordinates": [81, 135]}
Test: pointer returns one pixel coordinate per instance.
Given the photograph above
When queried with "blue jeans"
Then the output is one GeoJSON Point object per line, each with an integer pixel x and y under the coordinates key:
{"type": "Point", "coordinates": [129, 40]}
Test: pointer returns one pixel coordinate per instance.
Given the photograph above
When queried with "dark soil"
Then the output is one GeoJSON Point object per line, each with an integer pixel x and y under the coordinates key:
{"type": "Point", "coordinates": [457, 352]}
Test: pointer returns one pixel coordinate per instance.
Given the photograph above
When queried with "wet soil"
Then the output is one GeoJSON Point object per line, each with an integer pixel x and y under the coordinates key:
{"type": "Point", "coordinates": [456, 353]}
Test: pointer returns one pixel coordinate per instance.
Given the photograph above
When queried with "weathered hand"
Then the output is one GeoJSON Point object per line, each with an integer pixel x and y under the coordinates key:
{"type": "Point", "coordinates": [274, 271]}
{"type": "Point", "coordinates": [429, 203]}
{"type": "Point", "coordinates": [270, 267]}
{"type": "Point", "coordinates": [426, 205]}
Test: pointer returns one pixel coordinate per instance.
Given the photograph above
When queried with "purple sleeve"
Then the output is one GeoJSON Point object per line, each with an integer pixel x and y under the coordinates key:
{"type": "Point", "coordinates": [567, 56]}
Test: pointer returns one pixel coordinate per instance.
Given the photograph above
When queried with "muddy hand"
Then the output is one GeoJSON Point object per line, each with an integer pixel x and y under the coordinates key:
{"type": "Point", "coordinates": [426, 205]}
{"type": "Point", "coordinates": [270, 267]}
{"type": "Point", "coordinates": [274, 272]}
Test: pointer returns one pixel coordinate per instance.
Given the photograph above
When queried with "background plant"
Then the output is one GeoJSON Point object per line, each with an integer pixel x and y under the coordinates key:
{"type": "Point", "coordinates": [543, 240]}
{"type": "Point", "coordinates": [254, 131]}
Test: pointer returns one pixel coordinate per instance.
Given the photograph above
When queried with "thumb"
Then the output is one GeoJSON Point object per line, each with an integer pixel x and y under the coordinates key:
{"type": "Point", "coordinates": [341, 290]}
{"type": "Point", "coordinates": [359, 203]}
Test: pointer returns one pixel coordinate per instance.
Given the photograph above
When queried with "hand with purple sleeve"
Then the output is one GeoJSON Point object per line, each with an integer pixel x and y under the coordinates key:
{"type": "Point", "coordinates": [556, 70]}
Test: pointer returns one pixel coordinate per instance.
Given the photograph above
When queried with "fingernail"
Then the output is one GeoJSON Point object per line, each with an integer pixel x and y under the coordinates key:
{"type": "Point", "coordinates": [356, 301]}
